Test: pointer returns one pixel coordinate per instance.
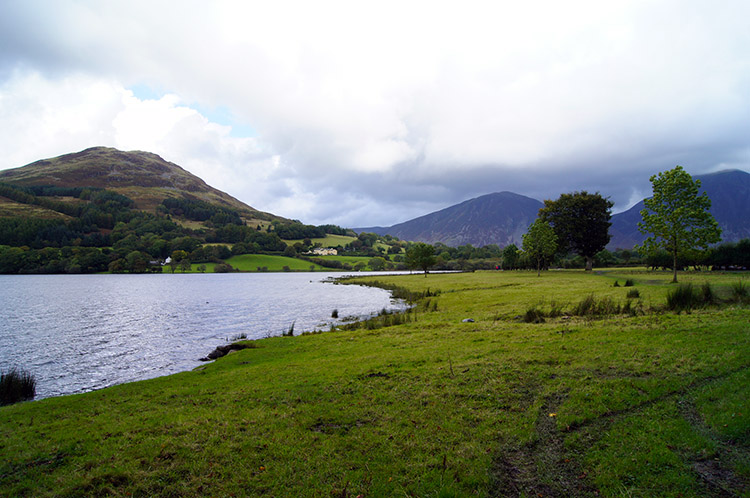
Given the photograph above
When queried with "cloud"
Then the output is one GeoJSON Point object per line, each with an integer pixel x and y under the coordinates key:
{"type": "Point", "coordinates": [374, 114]}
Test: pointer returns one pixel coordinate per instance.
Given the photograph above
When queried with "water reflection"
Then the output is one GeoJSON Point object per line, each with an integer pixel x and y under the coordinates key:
{"type": "Point", "coordinates": [81, 332]}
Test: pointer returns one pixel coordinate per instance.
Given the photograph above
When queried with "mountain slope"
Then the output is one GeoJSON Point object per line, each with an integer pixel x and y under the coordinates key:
{"type": "Point", "coordinates": [142, 176]}
{"type": "Point", "coordinates": [730, 204]}
{"type": "Point", "coordinates": [499, 218]}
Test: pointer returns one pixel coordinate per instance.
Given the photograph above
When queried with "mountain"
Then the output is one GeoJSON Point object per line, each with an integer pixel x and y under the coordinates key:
{"type": "Point", "coordinates": [730, 204]}
{"type": "Point", "coordinates": [144, 177]}
{"type": "Point", "coordinates": [500, 218]}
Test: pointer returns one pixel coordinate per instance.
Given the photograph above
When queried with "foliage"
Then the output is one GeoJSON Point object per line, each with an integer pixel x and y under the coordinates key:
{"type": "Point", "coordinates": [677, 218]}
{"type": "Point", "coordinates": [16, 385]}
{"type": "Point", "coordinates": [581, 223]}
{"type": "Point", "coordinates": [420, 256]}
{"type": "Point", "coordinates": [197, 210]}
{"type": "Point", "coordinates": [510, 257]}
{"type": "Point", "coordinates": [540, 243]}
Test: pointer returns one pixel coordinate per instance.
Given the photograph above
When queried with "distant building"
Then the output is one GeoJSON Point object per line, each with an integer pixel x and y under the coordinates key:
{"type": "Point", "coordinates": [320, 251]}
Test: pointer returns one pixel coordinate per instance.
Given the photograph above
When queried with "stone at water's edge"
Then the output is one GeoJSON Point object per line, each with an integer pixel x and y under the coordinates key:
{"type": "Point", "coordinates": [223, 351]}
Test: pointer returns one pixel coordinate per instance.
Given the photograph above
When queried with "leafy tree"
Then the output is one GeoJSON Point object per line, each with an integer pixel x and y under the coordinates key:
{"type": "Point", "coordinates": [677, 218]}
{"type": "Point", "coordinates": [377, 263]}
{"type": "Point", "coordinates": [581, 223]}
{"type": "Point", "coordinates": [420, 255]}
{"type": "Point", "coordinates": [540, 243]}
{"type": "Point", "coordinates": [185, 265]}
{"type": "Point", "coordinates": [510, 257]}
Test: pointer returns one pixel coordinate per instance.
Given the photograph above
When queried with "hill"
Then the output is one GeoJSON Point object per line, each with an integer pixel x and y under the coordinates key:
{"type": "Point", "coordinates": [144, 177]}
{"type": "Point", "coordinates": [500, 218]}
{"type": "Point", "coordinates": [730, 204]}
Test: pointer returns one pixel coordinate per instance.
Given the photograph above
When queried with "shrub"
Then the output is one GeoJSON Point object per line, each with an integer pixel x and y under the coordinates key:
{"type": "Point", "coordinates": [629, 282]}
{"type": "Point", "coordinates": [682, 298]}
{"type": "Point", "coordinates": [633, 294]}
{"type": "Point", "coordinates": [16, 386]}
{"type": "Point", "coordinates": [617, 284]}
{"type": "Point", "coordinates": [335, 314]}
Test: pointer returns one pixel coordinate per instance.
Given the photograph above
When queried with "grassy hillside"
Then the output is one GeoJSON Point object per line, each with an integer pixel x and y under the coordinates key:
{"type": "Point", "coordinates": [654, 404]}
{"type": "Point", "coordinates": [251, 262]}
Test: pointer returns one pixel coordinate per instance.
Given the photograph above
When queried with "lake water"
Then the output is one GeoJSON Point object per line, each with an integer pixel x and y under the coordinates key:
{"type": "Point", "coordinates": [78, 333]}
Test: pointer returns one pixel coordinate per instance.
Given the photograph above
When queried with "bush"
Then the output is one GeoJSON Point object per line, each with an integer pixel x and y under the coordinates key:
{"type": "Point", "coordinates": [16, 386]}
{"type": "Point", "coordinates": [682, 298]}
{"type": "Point", "coordinates": [634, 294]}
{"type": "Point", "coordinates": [629, 282]}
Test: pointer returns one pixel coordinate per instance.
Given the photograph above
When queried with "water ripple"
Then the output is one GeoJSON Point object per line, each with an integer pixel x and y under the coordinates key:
{"type": "Point", "coordinates": [77, 333]}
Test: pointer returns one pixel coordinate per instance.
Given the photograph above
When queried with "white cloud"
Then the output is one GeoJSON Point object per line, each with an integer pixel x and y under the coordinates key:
{"type": "Point", "coordinates": [373, 113]}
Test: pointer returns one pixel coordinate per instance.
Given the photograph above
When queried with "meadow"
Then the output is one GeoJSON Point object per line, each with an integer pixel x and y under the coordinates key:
{"type": "Point", "coordinates": [629, 401]}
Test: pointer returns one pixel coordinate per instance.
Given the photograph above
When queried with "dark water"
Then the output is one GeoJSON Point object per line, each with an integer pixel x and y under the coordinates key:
{"type": "Point", "coordinates": [77, 333]}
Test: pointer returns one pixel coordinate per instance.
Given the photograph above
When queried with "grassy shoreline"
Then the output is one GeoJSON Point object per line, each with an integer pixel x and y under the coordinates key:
{"type": "Point", "coordinates": [646, 405]}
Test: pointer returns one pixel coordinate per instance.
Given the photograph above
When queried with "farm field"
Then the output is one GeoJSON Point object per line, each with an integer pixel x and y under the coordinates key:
{"type": "Point", "coordinates": [620, 397]}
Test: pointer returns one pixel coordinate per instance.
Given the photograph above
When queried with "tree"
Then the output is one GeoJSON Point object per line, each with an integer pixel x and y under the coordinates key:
{"type": "Point", "coordinates": [420, 255]}
{"type": "Point", "coordinates": [581, 222]}
{"type": "Point", "coordinates": [510, 257]}
{"type": "Point", "coordinates": [540, 243]}
{"type": "Point", "coordinates": [677, 218]}
{"type": "Point", "coordinates": [377, 263]}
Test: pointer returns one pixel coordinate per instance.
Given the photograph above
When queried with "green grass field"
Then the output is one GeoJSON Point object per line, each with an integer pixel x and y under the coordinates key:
{"type": "Point", "coordinates": [655, 404]}
{"type": "Point", "coordinates": [251, 262]}
{"type": "Point", "coordinates": [352, 260]}
{"type": "Point", "coordinates": [329, 240]}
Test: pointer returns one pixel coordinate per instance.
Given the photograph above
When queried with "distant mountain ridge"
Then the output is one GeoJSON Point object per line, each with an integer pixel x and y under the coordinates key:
{"type": "Point", "coordinates": [142, 176]}
{"type": "Point", "coordinates": [502, 218]}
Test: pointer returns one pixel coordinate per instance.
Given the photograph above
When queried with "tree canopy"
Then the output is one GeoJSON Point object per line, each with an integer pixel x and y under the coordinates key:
{"type": "Point", "coordinates": [540, 243]}
{"type": "Point", "coordinates": [581, 223]}
{"type": "Point", "coordinates": [676, 216]}
{"type": "Point", "coordinates": [420, 255]}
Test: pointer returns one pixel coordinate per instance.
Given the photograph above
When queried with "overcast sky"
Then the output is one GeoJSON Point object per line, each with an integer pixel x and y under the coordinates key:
{"type": "Point", "coordinates": [373, 113]}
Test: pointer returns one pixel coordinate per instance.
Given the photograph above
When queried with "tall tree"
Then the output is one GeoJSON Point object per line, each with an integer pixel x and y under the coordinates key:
{"type": "Point", "coordinates": [581, 222]}
{"type": "Point", "coordinates": [540, 243]}
{"type": "Point", "coordinates": [420, 255]}
{"type": "Point", "coordinates": [510, 257]}
{"type": "Point", "coordinates": [677, 218]}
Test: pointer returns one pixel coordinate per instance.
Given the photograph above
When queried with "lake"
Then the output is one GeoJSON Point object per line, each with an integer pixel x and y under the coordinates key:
{"type": "Point", "coordinates": [77, 333]}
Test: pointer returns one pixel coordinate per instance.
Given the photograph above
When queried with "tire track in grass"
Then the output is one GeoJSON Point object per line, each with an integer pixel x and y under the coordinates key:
{"type": "Point", "coordinates": [543, 467]}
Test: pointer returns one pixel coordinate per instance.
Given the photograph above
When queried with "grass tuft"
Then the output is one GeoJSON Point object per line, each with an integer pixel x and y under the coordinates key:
{"type": "Point", "coordinates": [533, 315]}
{"type": "Point", "coordinates": [739, 291]}
{"type": "Point", "coordinates": [633, 294]}
{"type": "Point", "coordinates": [682, 298]}
{"type": "Point", "coordinates": [16, 385]}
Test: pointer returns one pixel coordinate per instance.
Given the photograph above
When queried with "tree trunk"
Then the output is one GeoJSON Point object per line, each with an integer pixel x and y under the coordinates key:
{"type": "Point", "coordinates": [589, 263]}
{"type": "Point", "coordinates": [538, 268]}
{"type": "Point", "coordinates": [674, 266]}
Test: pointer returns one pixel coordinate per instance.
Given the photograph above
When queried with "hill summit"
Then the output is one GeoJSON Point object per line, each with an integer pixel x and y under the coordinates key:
{"type": "Point", "coordinates": [144, 177]}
